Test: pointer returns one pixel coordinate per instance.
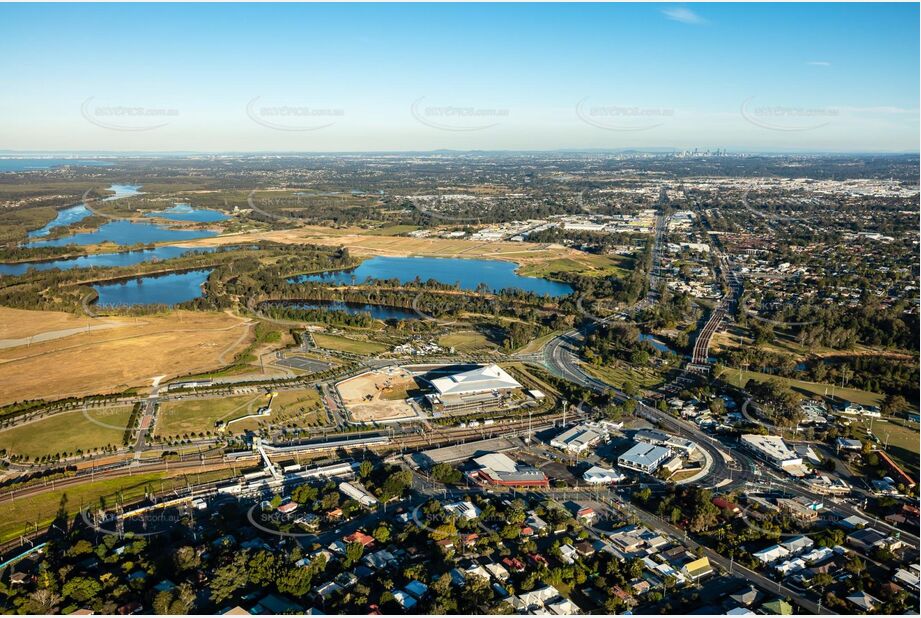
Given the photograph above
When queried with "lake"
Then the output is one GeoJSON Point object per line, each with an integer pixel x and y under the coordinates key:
{"type": "Point", "coordinates": [25, 165]}
{"type": "Point", "coordinates": [468, 273]}
{"type": "Point", "coordinates": [379, 312]}
{"type": "Point", "coordinates": [103, 260]}
{"type": "Point", "coordinates": [123, 232]}
{"type": "Point", "coordinates": [185, 212]}
{"type": "Point", "coordinates": [73, 214]}
{"type": "Point", "coordinates": [168, 289]}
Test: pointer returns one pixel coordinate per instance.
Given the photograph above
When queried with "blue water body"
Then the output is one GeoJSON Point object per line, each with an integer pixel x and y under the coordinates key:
{"type": "Point", "coordinates": [468, 273]}
{"type": "Point", "coordinates": [104, 260]}
{"type": "Point", "coordinates": [25, 165]}
{"type": "Point", "coordinates": [379, 312]}
{"type": "Point", "coordinates": [65, 216]}
{"type": "Point", "coordinates": [123, 232]}
{"type": "Point", "coordinates": [73, 214]}
{"type": "Point", "coordinates": [168, 289]}
{"type": "Point", "coordinates": [184, 212]}
{"type": "Point", "coordinates": [661, 347]}
{"type": "Point", "coordinates": [122, 191]}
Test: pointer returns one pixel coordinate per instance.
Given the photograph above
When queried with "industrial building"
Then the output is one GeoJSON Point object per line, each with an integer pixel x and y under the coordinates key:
{"type": "Point", "coordinates": [499, 469]}
{"type": "Point", "coordinates": [644, 457]}
{"type": "Point", "coordinates": [479, 389]}
{"type": "Point", "coordinates": [775, 451]}
{"type": "Point", "coordinates": [579, 438]}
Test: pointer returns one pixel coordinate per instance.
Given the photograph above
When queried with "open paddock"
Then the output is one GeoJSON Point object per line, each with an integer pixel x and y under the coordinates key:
{"type": "Point", "coordinates": [113, 359]}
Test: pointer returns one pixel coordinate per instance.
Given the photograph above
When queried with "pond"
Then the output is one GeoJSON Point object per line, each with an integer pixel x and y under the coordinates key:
{"type": "Point", "coordinates": [169, 289]}
{"type": "Point", "coordinates": [380, 312]}
{"type": "Point", "coordinates": [658, 345]}
{"type": "Point", "coordinates": [185, 212]}
{"type": "Point", "coordinates": [102, 260]}
{"type": "Point", "coordinates": [73, 214]}
{"type": "Point", "coordinates": [469, 274]}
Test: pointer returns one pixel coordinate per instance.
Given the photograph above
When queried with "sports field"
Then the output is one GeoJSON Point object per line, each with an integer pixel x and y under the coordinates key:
{"type": "Point", "coordinates": [67, 432]}
{"type": "Point", "coordinates": [344, 344]}
{"type": "Point", "coordinates": [110, 359]}
{"type": "Point", "coordinates": [466, 341]}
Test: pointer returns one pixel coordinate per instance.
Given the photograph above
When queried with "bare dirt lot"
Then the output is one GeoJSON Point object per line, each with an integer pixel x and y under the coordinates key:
{"type": "Point", "coordinates": [379, 395]}
{"type": "Point", "coordinates": [111, 359]}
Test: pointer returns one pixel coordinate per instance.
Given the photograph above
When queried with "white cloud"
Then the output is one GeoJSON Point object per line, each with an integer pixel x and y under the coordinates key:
{"type": "Point", "coordinates": [684, 15]}
{"type": "Point", "coordinates": [819, 63]}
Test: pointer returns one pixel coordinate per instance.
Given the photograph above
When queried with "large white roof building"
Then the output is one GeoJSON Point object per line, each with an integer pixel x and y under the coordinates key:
{"type": "Point", "coordinates": [479, 380]}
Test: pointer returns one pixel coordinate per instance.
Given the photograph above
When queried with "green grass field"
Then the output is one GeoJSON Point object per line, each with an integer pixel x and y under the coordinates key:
{"type": "Point", "coordinates": [589, 265]}
{"type": "Point", "coordinates": [619, 374]}
{"type": "Point", "coordinates": [808, 389]}
{"type": "Point", "coordinates": [466, 341]}
{"type": "Point", "coordinates": [67, 433]}
{"type": "Point", "coordinates": [20, 515]}
{"type": "Point", "coordinates": [903, 439]}
{"type": "Point", "coordinates": [344, 344]}
{"type": "Point", "coordinates": [177, 418]}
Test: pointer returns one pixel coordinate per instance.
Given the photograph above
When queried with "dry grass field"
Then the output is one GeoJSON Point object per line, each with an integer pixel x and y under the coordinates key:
{"type": "Point", "coordinates": [112, 359]}
{"type": "Point", "coordinates": [364, 243]}
{"type": "Point", "coordinates": [378, 395]}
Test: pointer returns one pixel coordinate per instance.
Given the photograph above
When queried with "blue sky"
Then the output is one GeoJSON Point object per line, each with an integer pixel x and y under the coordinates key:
{"type": "Point", "coordinates": [353, 77]}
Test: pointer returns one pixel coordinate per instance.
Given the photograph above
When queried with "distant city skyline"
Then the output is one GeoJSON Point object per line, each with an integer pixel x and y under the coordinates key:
{"type": "Point", "coordinates": [423, 77]}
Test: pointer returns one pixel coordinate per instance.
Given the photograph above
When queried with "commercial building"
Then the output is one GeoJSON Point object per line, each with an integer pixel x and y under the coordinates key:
{"type": "Point", "coordinates": [479, 389]}
{"type": "Point", "coordinates": [663, 439]}
{"type": "Point", "coordinates": [596, 475]}
{"type": "Point", "coordinates": [644, 457]}
{"type": "Point", "coordinates": [775, 451]}
{"type": "Point", "coordinates": [499, 469]}
{"type": "Point", "coordinates": [578, 439]}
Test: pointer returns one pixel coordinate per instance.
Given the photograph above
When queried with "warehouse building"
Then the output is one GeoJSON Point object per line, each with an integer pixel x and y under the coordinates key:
{"type": "Point", "coordinates": [499, 469]}
{"type": "Point", "coordinates": [644, 457]}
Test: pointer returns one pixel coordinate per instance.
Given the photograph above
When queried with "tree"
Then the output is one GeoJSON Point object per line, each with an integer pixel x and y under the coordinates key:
{"type": "Point", "coordinates": [81, 589]}
{"type": "Point", "coordinates": [365, 469]}
{"type": "Point", "coordinates": [353, 553]}
{"type": "Point", "coordinates": [227, 579]}
{"type": "Point", "coordinates": [186, 558]}
{"type": "Point", "coordinates": [382, 534]}
{"type": "Point", "coordinates": [304, 494]}
{"type": "Point", "coordinates": [43, 601]}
